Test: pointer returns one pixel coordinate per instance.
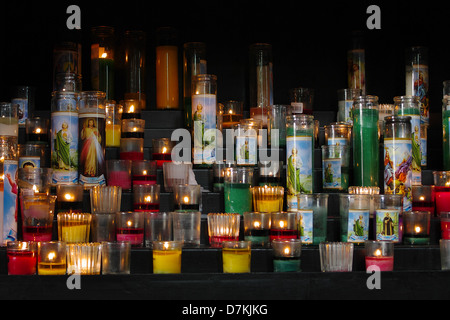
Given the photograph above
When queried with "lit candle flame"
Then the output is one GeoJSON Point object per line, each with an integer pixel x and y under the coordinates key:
{"type": "Point", "coordinates": [51, 256]}
{"type": "Point", "coordinates": [287, 251]}
{"type": "Point", "coordinates": [417, 229]}
{"type": "Point", "coordinates": [230, 112]}
{"type": "Point", "coordinates": [131, 109]}
{"type": "Point", "coordinates": [38, 130]}
{"type": "Point", "coordinates": [135, 129]}
{"type": "Point", "coordinates": [36, 190]}
{"type": "Point", "coordinates": [377, 253]}
{"type": "Point", "coordinates": [422, 198]}
{"type": "Point", "coordinates": [148, 199]}
{"type": "Point", "coordinates": [164, 150]}
{"type": "Point", "coordinates": [129, 223]}
{"type": "Point", "coordinates": [69, 197]}
{"type": "Point", "coordinates": [257, 224]}
{"type": "Point", "coordinates": [144, 172]}
{"type": "Point", "coordinates": [282, 224]}
{"type": "Point", "coordinates": [186, 199]}
{"type": "Point", "coordinates": [166, 246]}
{"type": "Point", "coordinates": [104, 55]}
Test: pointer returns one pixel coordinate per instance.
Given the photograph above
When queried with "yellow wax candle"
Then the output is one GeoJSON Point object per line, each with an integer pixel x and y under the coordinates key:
{"type": "Point", "coordinates": [236, 260]}
{"type": "Point", "coordinates": [167, 77]}
{"type": "Point", "coordinates": [51, 269]}
{"type": "Point", "coordinates": [166, 261]}
{"type": "Point", "coordinates": [269, 205]}
{"type": "Point", "coordinates": [75, 234]}
{"type": "Point", "coordinates": [113, 133]}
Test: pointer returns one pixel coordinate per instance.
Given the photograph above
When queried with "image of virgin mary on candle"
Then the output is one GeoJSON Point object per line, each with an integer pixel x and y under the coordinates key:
{"type": "Point", "coordinates": [92, 157]}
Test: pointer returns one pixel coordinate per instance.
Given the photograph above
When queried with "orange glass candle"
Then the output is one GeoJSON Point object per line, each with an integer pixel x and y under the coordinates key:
{"type": "Point", "coordinates": [167, 90]}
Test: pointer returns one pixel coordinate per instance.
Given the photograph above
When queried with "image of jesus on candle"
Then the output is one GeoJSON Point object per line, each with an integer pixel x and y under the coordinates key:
{"type": "Point", "coordinates": [91, 158]}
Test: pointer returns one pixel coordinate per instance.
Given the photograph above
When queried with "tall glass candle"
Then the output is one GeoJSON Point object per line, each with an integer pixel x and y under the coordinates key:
{"type": "Point", "coordinates": [113, 127]}
{"type": "Point", "coordinates": [446, 132]}
{"type": "Point", "coordinates": [9, 123]}
{"type": "Point", "coordinates": [135, 66]}
{"type": "Point", "coordinates": [312, 214]}
{"type": "Point", "coordinates": [356, 63]}
{"type": "Point", "coordinates": [302, 100]}
{"type": "Point", "coordinates": [237, 190]}
{"type": "Point", "coordinates": [194, 58]}
{"type": "Point", "coordinates": [257, 228]}
{"type": "Point", "coordinates": [365, 141]}
{"type": "Point", "coordinates": [167, 89]}
{"type": "Point", "coordinates": [261, 80]}
{"type": "Point", "coordinates": [398, 158]}
{"type": "Point", "coordinates": [417, 79]}
{"type": "Point", "coordinates": [24, 97]}
{"type": "Point", "coordinates": [103, 60]}
{"type": "Point", "coordinates": [246, 145]}
{"type": "Point", "coordinates": [204, 117]}
{"type": "Point", "coordinates": [92, 120]}
{"type": "Point", "coordinates": [355, 214]}
{"type": "Point", "coordinates": [64, 137]}
{"type": "Point", "coordinates": [408, 106]}
{"type": "Point", "coordinates": [442, 191]}
{"type": "Point", "coordinates": [336, 168]}
{"type": "Point", "coordinates": [345, 104]}
{"type": "Point", "coordinates": [21, 257]}
{"type": "Point", "coordinates": [300, 157]}
{"type": "Point", "coordinates": [286, 255]}
{"type": "Point", "coordinates": [380, 254]}
{"type": "Point", "coordinates": [167, 257]}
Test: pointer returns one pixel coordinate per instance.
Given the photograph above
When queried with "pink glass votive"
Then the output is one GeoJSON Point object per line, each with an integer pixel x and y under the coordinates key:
{"type": "Point", "coordinates": [118, 173]}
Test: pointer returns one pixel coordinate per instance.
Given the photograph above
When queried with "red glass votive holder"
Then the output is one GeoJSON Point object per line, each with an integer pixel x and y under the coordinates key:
{"type": "Point", "coordinates": [423, 198]}
{"type": "Point", "coordinates": [442, 191]}
{"type": "Point", "coordinates": [284, 225]}
{"type": "Point", "coordinates": [379, 255]}
{"type": "Point", "coordinates": [144, 172]}
{"type": "Point", "coordinates": [445, 225]}
{"type": "Point", "coordinates": [118, 173]}
{"type": "Point", "coordinates": [146, 198]}
{"type": "Point", "coordinates": [37, 216]}
{"type": "Point", "coordinates": [162, 151]}
{"type": "Point", "coordinates": [22, 257]}
{"type": "Point", "coordinates": [130, 227]}
{"type": "Point", "coordinates": [132, 149]}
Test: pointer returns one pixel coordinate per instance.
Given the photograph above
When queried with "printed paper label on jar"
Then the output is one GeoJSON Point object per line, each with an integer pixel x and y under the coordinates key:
{"type": "Point", "coordinates": [337, 141]}
{"type": "Point", "coordinates": [345, 108]}
{"type": "Point", "coordinates": [299, 171]}
{"type": "Point", "coordinates": [332, 176]}
{"type": "Point", "coordinates": [387, 225]}
{"type": "Point", "coordinates": [416, 151]}
{"type": "Point", "coordinates": [29, 162]}
{"type": "Point", "coordinates": [398, 169]}
{"type": "Point", "coordinates": [358, 225]}
{"type": "Point", "coordinates": [246, 150]}
{"type": "Point", "coordinates": [22, 111]}
{"type": "Point", "coordinates": [204, 118]}
{"type": "Point", "coordinates": [64, 147]}
{"type": "Point", "coordinates": [9, 201]}
{"type": "Point", "coordinates": [305, 226]}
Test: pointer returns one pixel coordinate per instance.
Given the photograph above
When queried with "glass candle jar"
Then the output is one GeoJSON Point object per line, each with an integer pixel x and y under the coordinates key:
{"type": "Point", "coordinates": [133, 128]}
{"type": "Point", "coordinates": [442, 191]}
{"type": "Point", "coordinates": [146, 198]}
{"type": "Point", "coordinates": [423, 198]}
{"type": "Point", "coordinates": [270, 173]}
{"type": "Point", "coordinates": [130, 227]}
{"type": "Point", "coordinates": [257, 228]}
{"type": "Point", "coordinates": [365, 141]}
{"type": "Point", "coordinates": [10, 119]}
{"type": "Point", "coordinates": [84, 258]}
{"type": "Point", "coordinates": [232, 113]}
{"type": "Point", "coordinates": [268, 199]}
{"type": "Point", "coordinates": [36, 130]}
{"type": "Point", "coordinates": [339, 133]}
{"type": "Point", "coordinates": [118, 173]}
{"type": "Point", "coordinates": [69, 198]}
{"type": "Point", "coordinates": [162, 150]}
{"type": "Point", "coordinates": [446, 132]}
{"type": "Point", "coordinates": [355, 215]}
{"type": "Point", "coordinates": [32, 155]}
{"type": "Point", "coordinates": [167, 257]}
{"type": "Point", "coordinates": [144, 172]}
{"type": "Point", "coordinates": [237, 190]}
{"type": "Point", "coordinates": [284, 225]}
{"type": "Point", "coordinates": [409, 106]}
{"type": "Point", "coordinates": [286, 255]}
{"type": "Point", "coordinates": [345, 104]}
{"type": "Point", "coordinates": [103, 60]}
{"type": "Point", "coordinates": [236, 256]}
{"type": "Point", "coordinates": [416, 227]}
{"type": "Point", "coordinates": [246, 145]}
{"type": "Point", "coordinates": [335, 168]}
{"type": "Point", "coordinates": [312, 214]}
{"type": "Point", "coordinates": [388, 223]}
{"type": "Point", "coordinates": [187, 197]}
{"type": "Point", "coordinates": [223, 227]}
{"type": "Point", "coordinates": [113, 128]}
{"type": "Point", "coordinates": [302, 100]}
{"type": "Point", "coordinates": [398, 158]}
{"type": "Point", "coordinates": [22, 258]}
{"type": "Point", "coordinates": [135, 66]}
{"type": "Point", "coordinates": [131, 109]}
{"type": "Point", "coordinates": [37, 216]}
{"type": "Point", "coordinates": [277, 122]}
{"type": "Point", "coordinates": [300, 157]}
{"type": "Point", "coordinates": [74, 227]}
{"type": "Point", "coordinates": [52, 258]}
{"type": "Point", "coordinates": [379, 255]}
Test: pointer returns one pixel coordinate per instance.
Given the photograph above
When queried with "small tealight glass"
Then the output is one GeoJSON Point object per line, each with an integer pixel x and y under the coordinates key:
{"type": "Point", "coordinates": [286, 255]}
{"type": "Point", "coordinates": [268, 199]}
{"type": "Point", "coordinates": [116, 258]}
{"type": "Point", "coordinates": [144, 172]}
{"type": "Point", "coordinates": [416, 227]}
{"type": "Point", "coordinates": [103, 227]}
{"type": "Point", "coordinates": [162, 151]}
{"type": "Point", "coordinates": [257, 228]}
{"type": "Point", "coordinates": [336, 256]}
{"type": "Point", "coordinates": [270, 173]}
{"type": "Point", "coordinates": [284, 225]}
{"type": "Point", "coordinates": [74, 227]}
{"type": "Point", "coordinates": [444, 245]}
{"type": "Point", "coordinates": [187, 227]}
{"type": "Point", "coordinates": [118, 173]}
{"type": "Point", "coordinates": [84, 258]}
{"type": "Point", "coordinates": [131, 109]}
{"type": "Point", "coordinates": [312, 214]}
{"type": "Point", "coordinates": [442, 191]}
{"type": "Point", "coordinates": [106, 199]}
{"type": "Point", "coordinates": [423, 198]}
{"type": "Point", "coordinates": [146, 198]}
{"type": "Point", "coordinates": [22, 258]}
{"type": "Point", "coordinates": [379, 255]}
{"type": "Point", "coordinates": [236, 256]}
{"type": "Point", "coordinates": [158, 227]}
{"type": "Point", "coordinates": [167, 257]}
{"type": "Point", "coordinates": [52, 258]}
{"type": "Point", "coordinates": [36, 130]}
{"type": "Point", "coordinates": [130, 227]}
{"type": "Point", "coordinates": [187, 197]}
{"type": "Point", "coordinates": [223, 227]}
{"type": "Point", "coordinates": [133, 128]}
{"type": "Point", "coordinates": [69, 198]}
{"type": "Point", "coordinates": [176, 174]}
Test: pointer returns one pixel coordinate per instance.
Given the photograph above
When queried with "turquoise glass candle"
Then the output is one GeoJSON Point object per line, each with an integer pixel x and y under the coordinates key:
{"type": "Point", "coordinates": [237, 190]}
{"type": "Point", "coordinates": [286, 255]}
{"type": "Point", "coordinates": [313, 214]}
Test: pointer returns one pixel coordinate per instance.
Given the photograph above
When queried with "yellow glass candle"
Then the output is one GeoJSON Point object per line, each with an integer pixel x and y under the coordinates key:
{"type": "Point", "coordinates": [74, 227]}
{"type": "Point", "coordinates": [236, 256]}
{"type": "Point", "coordinates": [268, 199]}
{"type": "Point", "coordinates": [51, 258]}
{"type": "Point", "coordinates": [113, 133]}
{"type": "Point", "coordinates": [167, 257]}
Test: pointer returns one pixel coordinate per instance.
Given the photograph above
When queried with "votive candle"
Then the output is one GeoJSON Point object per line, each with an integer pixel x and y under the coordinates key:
{"type": "Point", "coordinates": [380, 254]}
{"type": "Point", "coordinates": [52, 258]}
{"type": "Point", "coordinates": [22, 257]}
{"type": "Point", "coordinates": [236, 256]}
{"type": "Point", "coordinates": [167, 257]}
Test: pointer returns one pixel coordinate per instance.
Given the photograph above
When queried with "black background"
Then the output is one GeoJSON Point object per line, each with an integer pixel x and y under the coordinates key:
{"type": "Point", "coordinates": [310, 41]}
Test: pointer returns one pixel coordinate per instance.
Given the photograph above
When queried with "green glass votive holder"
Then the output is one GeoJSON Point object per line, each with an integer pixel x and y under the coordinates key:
{"type": "Point", "coordinates": [257, 228]}
{"type": "Point", "coordinates": [237, 190]}
{"type": "Point", "coordinates": [416, 226]}
{"type": "Point", "coordinates": [286, 255]}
